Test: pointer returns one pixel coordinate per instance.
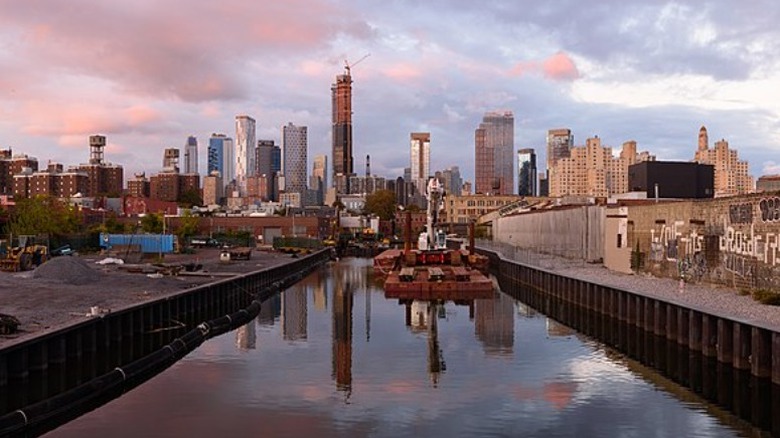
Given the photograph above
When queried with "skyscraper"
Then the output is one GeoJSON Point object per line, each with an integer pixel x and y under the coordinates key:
{"type": "Point", "coordinates": [216, 154]}
{"type": "Point", "coordinates": [228, 160]}
{"type": "Point", "coordinates": [320, 170]}
{"type": "Point", "coordinates": [294, 158]}
{"type": "Point", "coordinates": [191, 155]}
{"type": "Point", "coordinates": [420, 157]}
{"type": "Point", "coordinates": [731, 173]}
{"type": "Point", "coordinates": [559, 145]}
{"type": "Point", "coordinates": [341, 93]}
{"type": "Point", "coordinates": [494, 147]}
{"type": "Point", "coordinates": [245, 151]}
{"type": "Point", "coordinates": [526, 172]}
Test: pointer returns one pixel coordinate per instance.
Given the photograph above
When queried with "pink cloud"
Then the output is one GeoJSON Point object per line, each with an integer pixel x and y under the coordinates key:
{"type": "Point", "coordinates": [194, 51]}
{"type": "Point", "coordinates": [403, 72]}
{"type": "Point", "coordinates": [559, 67]}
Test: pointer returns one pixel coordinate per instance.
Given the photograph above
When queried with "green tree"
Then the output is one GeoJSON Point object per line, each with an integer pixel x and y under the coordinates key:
{"type": "Point", "coordinates": [152, 223]}
{"type": "Point", "coordinates": [44, 215]}
{"type": "Point", "coordinates": [381, 203]}
{"type": "Point", "coordinates": [188, 226]}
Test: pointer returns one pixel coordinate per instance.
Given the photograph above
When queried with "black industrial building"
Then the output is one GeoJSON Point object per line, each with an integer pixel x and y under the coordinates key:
{"type": "Point", "coordinates": [672, 179]}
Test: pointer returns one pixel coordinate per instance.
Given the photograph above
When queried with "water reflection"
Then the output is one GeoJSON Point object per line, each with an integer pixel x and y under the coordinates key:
{"type": "Point", "coordinates": [490, 367]}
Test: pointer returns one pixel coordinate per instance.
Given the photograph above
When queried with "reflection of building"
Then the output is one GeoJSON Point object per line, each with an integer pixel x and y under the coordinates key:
{"type": "Point", "coordinates": [294, 314]}
{"type": "Point", "coordinates": [320, 297]}
{"type": "Point", "coordinates": [555, 328]}
{"type": "Point", "coordinates": [342, 335]}
{"type": "Point", "coordinates": [495, 324]}
{"type": "Point", "coordinates": [246, 337]}
{"type": "Point", "coordinates": [270, 310]}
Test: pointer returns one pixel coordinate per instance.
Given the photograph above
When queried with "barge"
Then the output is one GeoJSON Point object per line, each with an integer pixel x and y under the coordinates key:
{"type": "Point", "coordinates": [432, 271]}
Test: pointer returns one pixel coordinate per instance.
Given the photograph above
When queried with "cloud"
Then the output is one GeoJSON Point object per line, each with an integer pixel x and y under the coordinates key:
{"type": "Point", "coordinates": [558, 67]}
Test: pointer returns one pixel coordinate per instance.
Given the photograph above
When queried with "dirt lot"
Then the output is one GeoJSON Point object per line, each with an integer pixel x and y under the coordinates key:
{"type": "Point", "coordinates": [61, 292]}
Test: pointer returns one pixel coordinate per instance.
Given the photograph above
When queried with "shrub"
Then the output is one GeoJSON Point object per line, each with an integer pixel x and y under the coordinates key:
{"type": "Point", "coordinates": [765, 296]}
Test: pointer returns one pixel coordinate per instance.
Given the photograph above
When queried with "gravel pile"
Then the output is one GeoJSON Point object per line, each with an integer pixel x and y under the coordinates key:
{"type": "Point", "coordinates": [70, 270]}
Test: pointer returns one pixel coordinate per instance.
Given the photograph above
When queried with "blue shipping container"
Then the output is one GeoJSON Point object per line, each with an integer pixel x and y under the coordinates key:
{"type": "Point", "coordinates": [150, 243]}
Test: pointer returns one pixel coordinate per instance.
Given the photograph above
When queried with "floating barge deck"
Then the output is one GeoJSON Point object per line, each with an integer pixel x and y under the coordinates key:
{"type": "Point", "coordinates": [447, 275]}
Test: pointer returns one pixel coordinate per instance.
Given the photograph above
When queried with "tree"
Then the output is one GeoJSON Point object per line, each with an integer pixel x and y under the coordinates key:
{"type": "Point", "coordinates": [188, 226]}
{"type": "Point", "coordinates": [381, 203]}
{"type": "Point", "coordinates": [44, 215]}
{"type": "Point", "coordinates": [152, 223]}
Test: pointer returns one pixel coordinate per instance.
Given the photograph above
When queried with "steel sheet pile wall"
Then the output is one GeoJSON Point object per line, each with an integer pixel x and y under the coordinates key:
{"type": "Point", "coordinates": [637, 324]}
{"type": "Point", "coordinates": [50, 379]}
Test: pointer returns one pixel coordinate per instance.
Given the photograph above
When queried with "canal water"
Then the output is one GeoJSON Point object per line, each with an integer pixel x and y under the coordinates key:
{"type": "Point", "coordinates": [333, 357]}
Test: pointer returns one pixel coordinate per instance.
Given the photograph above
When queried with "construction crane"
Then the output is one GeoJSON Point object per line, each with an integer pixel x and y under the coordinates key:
{"type": "Point", "coordinates": [348, 66]}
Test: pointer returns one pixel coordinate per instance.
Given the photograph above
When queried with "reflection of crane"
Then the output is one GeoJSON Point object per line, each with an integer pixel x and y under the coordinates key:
{"type": "Point", "coordinates": [348, 66]}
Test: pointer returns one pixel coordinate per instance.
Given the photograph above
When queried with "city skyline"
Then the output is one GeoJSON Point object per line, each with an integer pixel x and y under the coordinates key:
{"type": "Point", "coordinates": [653, 73]}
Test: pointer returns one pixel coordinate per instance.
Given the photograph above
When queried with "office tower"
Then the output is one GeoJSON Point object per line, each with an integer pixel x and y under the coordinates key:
{"type": "Point", "coordinates": [526, 172]}
{"type": "Point", "coordinates": [420, 158]}
{"type": "Point", "coordinates": [368, 166]}
{"type": "Point", "coordinates": [320, 170]}
{"type": "Point", "coordinates": [731, 174]}
{"type": "Point", "coordinates": [245, 151]}
{"type": "Point", "coordinates": [341, 94]}
{"type": "Point", "coordinates": [494, 149]}
{"type": "Point", "coordinates": [452, 181]}
{"type": "Point", "coordinates": [559, 144]}
{"type": "Point", "coordinates": [171, 160]}
{"type": "Point", "coordinates": [213, 189]}
{"type": "Point", "coordinates": [228, 161]}
{"type": "Point", "coordinates": [216, 154]}
{"type": "Point", "coordinates": [294, 158]}
{"type": "Point", "coordinates": [191, 155]}
{"type": "Point", "coordinates": [265, 169]}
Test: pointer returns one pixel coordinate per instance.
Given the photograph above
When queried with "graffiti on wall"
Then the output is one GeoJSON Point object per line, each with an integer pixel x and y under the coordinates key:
{"type": "Point", "coordinates": [668, 242]}
{"type": "Point", "coordinates": [741, 213]}
{"type": "Point", "coordinates": [770, 209]}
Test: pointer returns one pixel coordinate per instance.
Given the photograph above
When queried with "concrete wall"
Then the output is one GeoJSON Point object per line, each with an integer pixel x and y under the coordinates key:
{"type": "Point", "coordinates": [617, 248]}
{"type": "Point", "coordinates": [732, 241]}
{"type": "Point", "coordinates": [574, 232]}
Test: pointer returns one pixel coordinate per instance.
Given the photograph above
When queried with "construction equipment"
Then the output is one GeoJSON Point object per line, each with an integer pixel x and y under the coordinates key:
{"type": "Point", "coordinates": [24, 257]}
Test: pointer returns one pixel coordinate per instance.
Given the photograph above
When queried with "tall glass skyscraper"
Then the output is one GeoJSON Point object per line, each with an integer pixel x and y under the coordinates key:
{"type": "Point", "coordinates": [494, 142]}
{"type": "Point", "coordinates": [295, 157]}
{"type": "Point", "coordinates": [216, 154]}
{"type": "Point", "coordinates": [245, 150]}
{"type": "Point", "coordinates": [191, 155]}
{"type": "Point", "coordinates": [526, 172]}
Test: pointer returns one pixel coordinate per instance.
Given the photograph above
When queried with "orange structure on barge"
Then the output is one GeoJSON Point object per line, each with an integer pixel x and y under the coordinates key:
{"type": "Point", "coordinates": [432, 271]}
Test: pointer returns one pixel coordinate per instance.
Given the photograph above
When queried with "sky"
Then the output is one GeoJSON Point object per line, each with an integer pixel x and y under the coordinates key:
{"type": "Point", "coordinates": [147, 74]}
